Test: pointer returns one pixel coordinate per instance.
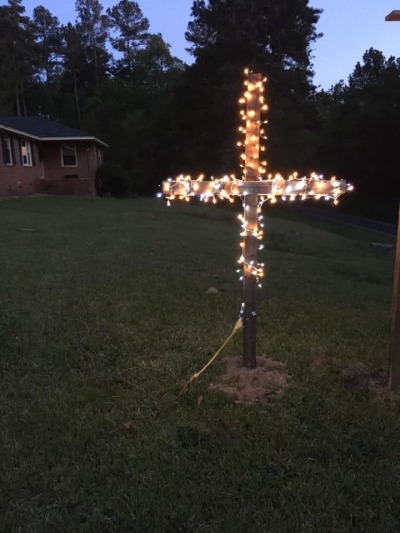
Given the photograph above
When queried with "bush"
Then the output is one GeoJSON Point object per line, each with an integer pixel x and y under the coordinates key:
{"type": "Point", "coordinates": [111, 179]}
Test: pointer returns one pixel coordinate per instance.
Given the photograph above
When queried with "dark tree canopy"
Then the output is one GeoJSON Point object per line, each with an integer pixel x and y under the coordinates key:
{"type": "Point", "coordinates": [17, 57]}
{"type": "Point", "coordinates": [107, 73]}
{"type": "Point", "coordinates": [270, 36]}
{"type": "Point", "coordinates": [93, 27]}
{"type": "Point", "coordinates": [254, 32]}
{"type": "Point", "coordinates": [48, 38]}
{"type": "Point", "coordinates": [359, 133]}
{"type": "Point", "coordinates": [131, 29]}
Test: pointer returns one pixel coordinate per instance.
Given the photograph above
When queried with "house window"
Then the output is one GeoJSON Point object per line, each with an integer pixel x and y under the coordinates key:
{"type": "Point", "coordinates": [68, 155]}
{"type": "Point", "coordinates": [99, 156]}
{"type": "Point", "coordinates": [26, 153]}
{"type": "Point", "coordinates": [7, 151]}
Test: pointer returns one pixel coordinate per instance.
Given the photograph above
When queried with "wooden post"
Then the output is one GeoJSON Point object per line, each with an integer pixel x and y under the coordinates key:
{"type": "Point", "coordinates": [394, 370]}
{"type": "Point", "coordinates": [252, 153]}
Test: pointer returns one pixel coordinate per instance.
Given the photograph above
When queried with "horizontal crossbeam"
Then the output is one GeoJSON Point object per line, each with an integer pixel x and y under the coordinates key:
{"type": "Point", "coordinates": [227, 187]}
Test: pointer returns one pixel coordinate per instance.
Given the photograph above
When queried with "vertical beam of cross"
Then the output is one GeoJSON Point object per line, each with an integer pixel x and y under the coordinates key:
{"type": "Point", "coordinates": [250, 241]}
{"type": "Point", "coordinates": [394, 365]}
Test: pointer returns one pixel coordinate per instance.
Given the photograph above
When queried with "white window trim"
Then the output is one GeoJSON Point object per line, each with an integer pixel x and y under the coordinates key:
{"type": "Point", "coordinates": [7, 141]}
{"type": "Point", "coordinates": [28, 156]}
{"type": "Point", "coordinates": [62, 155]}
{"type": "Point", "coordinates": [100, 156]}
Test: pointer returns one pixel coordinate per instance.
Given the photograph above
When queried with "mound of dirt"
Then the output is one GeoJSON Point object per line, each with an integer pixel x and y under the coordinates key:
{"type": "Point", "coordinates": [265, 383]}
{"type": "Point", "coordinates": [357, 376]}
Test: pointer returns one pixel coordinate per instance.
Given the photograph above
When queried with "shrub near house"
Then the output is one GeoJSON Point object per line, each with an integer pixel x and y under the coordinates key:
{"type": "Point", "coordinates": [41, 155]}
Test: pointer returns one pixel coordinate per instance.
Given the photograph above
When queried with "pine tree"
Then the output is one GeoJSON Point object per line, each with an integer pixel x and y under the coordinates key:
{"type": "Point", "coordinates": [155, 68]}
{"type": "Point", "coordinates": [48, 38]}
{"type": "Point", "coordinates": [131, 28]}
{"type": "Point", "coordinates": [93, 26]}
{"type": "Point", "coordinates": [269, 36]}
{"type": "Point", "coordinates": [17, 57]}
{"type": "Point", "coordinates": [360, 132]}
{"type": "Point", "coordinates": [76, 78]}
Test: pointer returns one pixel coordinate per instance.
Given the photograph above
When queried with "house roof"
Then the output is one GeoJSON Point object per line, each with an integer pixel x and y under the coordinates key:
{"type": "Point", "coordinates": [44, 129]}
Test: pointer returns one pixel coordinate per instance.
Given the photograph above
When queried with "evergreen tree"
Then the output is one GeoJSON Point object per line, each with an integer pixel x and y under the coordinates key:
{"type": "Point", "coordinates": [131, 32]}
{"type": "Point", "coordinates": [360, 133]}
{"type": "Point", "coordinates": [48, 38]}
{"type": "Point", "coordinates": [269, 36]}
{"type": "Point", "coordinates": [136, 114]}
{"type": "Point", "coordinates": [77, 78]}
{"type": "Point", "coordinates": [17, 57]}
{"type": "Point", "coordinates": [155, 68]}
{"type": "Point", "coordinates": [93, 26]}
{"type": "Point", "coordinates": [372, 72]}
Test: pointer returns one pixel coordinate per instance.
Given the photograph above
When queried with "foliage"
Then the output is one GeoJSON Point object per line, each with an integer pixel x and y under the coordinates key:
{"type": "Point", "coordinates": [131, 27]}
{"type": "Point", "coordinates": [17, 53]}
{"type": "Point", "coordinates": [360, 132]}
{"type": "Point", "coordinates": [92, 26]}
{"type": "Point", "coordinates": [95, 436]}
{"type": "Point", "coordinates": [48, 39]}
{"type": "Point", "coordinates": [111, 179]}
{"type": "Point", "coordinates": [270, 37]}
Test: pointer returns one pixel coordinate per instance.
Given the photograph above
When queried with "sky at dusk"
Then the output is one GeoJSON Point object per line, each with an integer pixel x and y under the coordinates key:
{"type": "Point", "coordinates": [350, 27]}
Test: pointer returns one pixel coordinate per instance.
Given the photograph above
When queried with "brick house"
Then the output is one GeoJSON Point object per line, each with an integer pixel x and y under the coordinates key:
{"type": "Point", "coordinates": [41, 155]}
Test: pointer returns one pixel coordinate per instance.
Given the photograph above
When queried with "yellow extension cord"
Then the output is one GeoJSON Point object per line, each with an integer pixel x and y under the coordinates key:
{"type": "Point", "coordinates": [238, 326]}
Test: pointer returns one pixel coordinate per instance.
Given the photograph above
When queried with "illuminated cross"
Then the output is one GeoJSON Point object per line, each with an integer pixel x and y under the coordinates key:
{"type": "Point", "coordinates": [254, 191]}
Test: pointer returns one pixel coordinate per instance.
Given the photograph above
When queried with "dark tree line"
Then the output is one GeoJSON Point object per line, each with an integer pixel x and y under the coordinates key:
{"type": "Point", "coordinates": [359, 127]}
{"type": "Point", "coordinates": [108, 74]}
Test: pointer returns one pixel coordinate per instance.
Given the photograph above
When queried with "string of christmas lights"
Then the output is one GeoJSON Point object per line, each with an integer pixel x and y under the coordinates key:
{"type": "Point", "coordinates": [274, 187]}
{"type": "Point", "coordinates": [184, 187]}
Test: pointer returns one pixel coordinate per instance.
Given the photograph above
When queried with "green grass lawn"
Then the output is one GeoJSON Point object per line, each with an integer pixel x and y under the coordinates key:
{"type": "Point", "coordinates": [103, 316]}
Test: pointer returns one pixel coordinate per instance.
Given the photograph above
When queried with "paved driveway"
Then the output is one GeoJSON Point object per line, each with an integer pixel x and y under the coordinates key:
{"type": "Point", "coordinates": [349, 220]}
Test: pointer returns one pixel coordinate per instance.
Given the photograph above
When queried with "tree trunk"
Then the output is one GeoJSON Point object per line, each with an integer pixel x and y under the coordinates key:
{"type": "Point", "coordinates": [17, 102]}
{"type": "Point", "coordinates": [78, 109]}
{"type": "Point", "coordinates": [23, 101]}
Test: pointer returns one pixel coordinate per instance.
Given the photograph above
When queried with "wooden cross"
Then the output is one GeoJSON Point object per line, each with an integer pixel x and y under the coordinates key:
{"type": "Point", "coordinates": [254, 191]}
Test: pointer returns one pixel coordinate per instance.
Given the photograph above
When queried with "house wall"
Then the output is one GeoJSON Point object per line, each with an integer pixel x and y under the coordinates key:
{"type": "Point", "coordinates": [17, 180]}
{"type": "Point", "coordinates": [79, 179]}
{"type": "Point", "coordinates": [47, 175]}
